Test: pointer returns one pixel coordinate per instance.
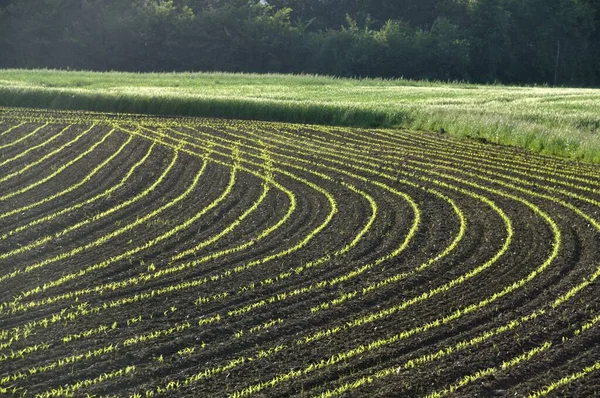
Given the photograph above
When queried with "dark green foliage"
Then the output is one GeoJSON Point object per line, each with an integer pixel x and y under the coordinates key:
{"type": "Point", "coordinates": [512, 41]}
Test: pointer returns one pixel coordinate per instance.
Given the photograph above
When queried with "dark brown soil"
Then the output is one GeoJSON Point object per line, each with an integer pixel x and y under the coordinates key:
{"type": "Point", "coordinates": [273, 270]}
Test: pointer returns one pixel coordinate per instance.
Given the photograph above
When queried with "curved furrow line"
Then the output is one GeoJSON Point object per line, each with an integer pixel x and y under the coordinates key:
{"type": "Point", "coordinates": [140, 220]}
{"type": "Point", "coordinates": [378, 344]}
{"type": "Point", "coordinates": [42, 241]}
{"type": "Point", "coordinates": [120, 257]}
{"type": "Point", "coordinates": [41, 186]}
{"type": "Point", "coordinates": [8, 128]}
{"type": "Point", "coordinates": [193, 219]}
{"type": "Point", "coordinates": [167, 271]}
{"type": "Point", "coordinates": [517, 156]}
{"type": "Point", "coordinates": [40, 264]}
{"type": "Point", "coordinates": [444, 155]}
{"type": "Point", "coordinates": [35, 147]}
{"type": "Point", "coordinates": [71, 209]}
{"type": "Point", "coordinates": [440, 353]}
{"type": "Point", "coordinates": [401, 148]}
{"type": "Point", "coordinates": [320, 165]}
{"type": "Point", "coordinates": [318, 261]}
{"type": "Point", "coordinates": [85, 180]}
{"type": "Point", "coordinates": [46, 157]}
{"type": "Point", "coordinates": [16, 140]}
{"type": "Point", "coordinates": [507, 366]}
{"type": "Point", "coordinates": [396, 277]}
{"type": "Point", "coordinates": [554, 190]}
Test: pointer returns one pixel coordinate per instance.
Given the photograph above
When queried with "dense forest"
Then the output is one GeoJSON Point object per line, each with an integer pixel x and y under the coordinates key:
{"type": "Point", "coordinates": [553, 42]}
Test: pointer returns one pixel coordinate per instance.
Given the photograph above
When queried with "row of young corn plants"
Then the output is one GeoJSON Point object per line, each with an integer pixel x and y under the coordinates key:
{"type": "Point", "coordinates": [312, 264]}
{"type": "Point", "coordinates": [72, 208]}
{"type": "Point", "coordinates": [157, 274]}
{"type": "Point", "coordinates": [32, 148]}
{"type": "Point", "coordinates": [411, 146]}
{"type": "Point", "coordinates": [160, 275]}
{"type": "Point", "coordinates": [71, 188]}
{"type": "Point", "coordinates": [11, 128]}
{"type": "Point", "coordinates": [89, 355]}
{"type": "Point", "coordinates": [105, 238]}
{"type": "Point", "coordinates": [277, 158]}
{"type": "Point", "coordinates": [47, 156]}
{"type": "Point", "coordinates": [82, 311]}
{"type": "Point", "coordinates": [71, 228]}
{"type": "Point", "coordinates": [57, 171]}
{"type": "Point", "coordinates": [557, 237]}
{"type": "Point", "coordinates": [24, 137]}
{"type": "Point", "coordinates": [592, 221]}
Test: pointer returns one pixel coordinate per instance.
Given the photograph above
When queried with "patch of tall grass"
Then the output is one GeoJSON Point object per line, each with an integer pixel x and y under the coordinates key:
{"type": "Point", "coordinates": [554, 121]}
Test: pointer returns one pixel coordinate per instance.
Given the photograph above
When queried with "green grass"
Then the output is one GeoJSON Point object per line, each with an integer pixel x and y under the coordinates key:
{"type": "Point", "coordinates": [556, 121]}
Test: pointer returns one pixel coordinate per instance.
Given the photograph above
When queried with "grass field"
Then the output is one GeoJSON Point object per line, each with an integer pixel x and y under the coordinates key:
{"type": "Point", "coordinates": [144, 257]}
{"type": "Point", "coordinates": [557, 121]}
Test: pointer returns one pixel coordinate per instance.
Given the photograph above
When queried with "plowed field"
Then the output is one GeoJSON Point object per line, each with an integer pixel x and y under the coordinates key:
{"type": "Point", "coordinates": [148, 257]}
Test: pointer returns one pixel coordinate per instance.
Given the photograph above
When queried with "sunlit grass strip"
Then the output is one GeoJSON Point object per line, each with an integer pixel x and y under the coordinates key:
{"type": "Point", "coordinates": [45, 157]}
{"type": "Point", "coordinates": [71, 188]}
{"type": "Point", "coordinates": [33, 148]}
{"type": "Point", "coordinates": [585, 372]}
{"type": "Point", "coordinates": [530, 117]}
{"type": "Point", "coordinates": [77, 206]}
{"type": "Point", "coordinates": [23, 138]}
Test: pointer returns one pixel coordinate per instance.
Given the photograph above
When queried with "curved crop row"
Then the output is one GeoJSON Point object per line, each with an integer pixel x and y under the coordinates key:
{"type": "Point", "coordinates": [202, 257]}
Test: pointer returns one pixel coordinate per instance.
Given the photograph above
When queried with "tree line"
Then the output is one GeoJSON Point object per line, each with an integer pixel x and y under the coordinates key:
{"type": "Point", "coordinates": [508, 41]}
